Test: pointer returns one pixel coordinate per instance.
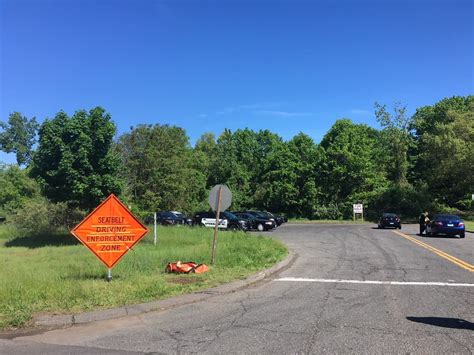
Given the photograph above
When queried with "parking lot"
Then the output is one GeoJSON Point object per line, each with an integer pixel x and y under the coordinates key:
{"type": "Point", "coordinates": [351, 288]}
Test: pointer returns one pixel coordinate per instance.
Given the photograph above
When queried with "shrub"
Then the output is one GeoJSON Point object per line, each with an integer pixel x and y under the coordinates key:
{"type": "Point", "coordinates": [41, 217]}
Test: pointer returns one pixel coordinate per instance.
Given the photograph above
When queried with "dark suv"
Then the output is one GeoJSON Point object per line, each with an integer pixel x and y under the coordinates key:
{"type": "Point", "coordinates": [227, 221]}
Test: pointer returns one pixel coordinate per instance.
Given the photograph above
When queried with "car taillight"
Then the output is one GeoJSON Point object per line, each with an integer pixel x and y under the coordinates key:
{"type": "Point", "coordinates": [398, 219]}
{"type": "Point", "coordinates": [461, 224]}
{"type": "Point", "coordinates": [440, 224]}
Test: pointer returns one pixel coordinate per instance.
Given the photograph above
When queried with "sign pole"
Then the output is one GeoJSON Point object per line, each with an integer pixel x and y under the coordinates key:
{"type": "Point", "coordinates": [154, 239]}
{"type": "Point", "coordinates": [109, 275]}
{"type": "Point", "coordinates": [216, 227]}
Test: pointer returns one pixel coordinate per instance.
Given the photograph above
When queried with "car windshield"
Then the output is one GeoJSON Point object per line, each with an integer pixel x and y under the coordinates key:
{"type": "Point", "coordinates": [178, 214]}
{"type": "Point", "coordinates": [389, 215]}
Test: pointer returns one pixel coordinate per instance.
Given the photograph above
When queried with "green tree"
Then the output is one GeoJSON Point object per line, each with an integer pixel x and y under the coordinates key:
{"type": "Point", "coordinates": [242, 162]}
{"type": "Point", "coordinates": [448, 156]}
{"type": "Point", "coordinates": [160, 169]}
{"type": "Point", "coordinates": [307, 158]}
{"type": "Point", "coordinates": [16, 189]}
{"type": "Point", "coordinates": [19, 136]}
{"type": "Point", "coordinates": [278, 190]}
{"type": "Point", "coordinates": [204, 152]}
{"type": "Point", "coordinates": [349, 170]}
{"type": "Point", "coordinates": [396, 140]}
{"type": "Point", "coordinates": [74, 162]}
{"type": "Point", "coordinates": [427, 123]}
{"type": "Point", "coordinates": [229, 166]}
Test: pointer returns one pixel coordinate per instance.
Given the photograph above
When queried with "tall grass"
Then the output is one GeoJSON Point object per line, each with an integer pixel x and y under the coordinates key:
{"type": "Point", "coordinates": [59, 275]}
{"type": "Point", "coordinates": [469, 226]}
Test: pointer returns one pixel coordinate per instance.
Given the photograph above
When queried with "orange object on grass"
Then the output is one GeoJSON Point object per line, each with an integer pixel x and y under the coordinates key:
{"type": "Point", "coordinates": [189, 267]}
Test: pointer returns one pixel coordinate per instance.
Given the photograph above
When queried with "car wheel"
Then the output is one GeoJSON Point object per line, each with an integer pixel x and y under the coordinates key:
{"type": "Point", "coordinates": [233, 228]}
{"type": "Point", "coordinates": [260, 227]}
{"type": "Point", "coordinates": [462, 235]}
{"type": "Point", "coordinates": [399, 227]}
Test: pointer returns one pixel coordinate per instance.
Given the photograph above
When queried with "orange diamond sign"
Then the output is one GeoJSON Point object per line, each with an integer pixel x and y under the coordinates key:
{"type": "Point", "coordinates": [110, 231]}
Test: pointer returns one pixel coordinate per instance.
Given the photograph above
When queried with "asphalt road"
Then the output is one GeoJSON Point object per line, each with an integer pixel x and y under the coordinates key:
{"type": "Point", "coordinates": [351, 289]}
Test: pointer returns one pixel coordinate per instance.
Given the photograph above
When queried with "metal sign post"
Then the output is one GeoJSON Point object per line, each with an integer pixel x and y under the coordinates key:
{"type": "Point", "coordinates": [216, 226]}
{"type": "Point", "coordinates": [154, 238]}
{"type": "Point", "coordinates": [220, 199]}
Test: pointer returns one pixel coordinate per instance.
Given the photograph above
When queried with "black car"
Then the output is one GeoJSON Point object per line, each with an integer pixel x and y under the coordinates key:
{"type": "Point", "coordinates": [262, 215]}
{"type": "Point", "coordinates": [256, 222]}
{"type": "Point", "coordinates": [390, 220]}
{"type": "Point", "coordinates": [168, 218]}
{"type": "Point", "coordinates": [278, 219]}
{"type": "Point", "coordinates": [186, 220]}
{"type": "Point", "coordinates": [227, 221]}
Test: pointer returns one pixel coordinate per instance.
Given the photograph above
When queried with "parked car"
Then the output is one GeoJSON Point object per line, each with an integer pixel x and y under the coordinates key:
{"type": "Point", "coordinates": [227, 220]}
{"type": "Point", "coordinates": [261, 215]}
{"type": "Point", "coordinates": [186, 220]}
{"type": "Point", "coordinates": [390, 220]}
{"type": "Point", "coordinates": [256, 222]}
{"type": "Point", "coordinates": [168, 218]}
{"type": "Point", "coordinates": [447, 224]}
{"type": "Point", "coordinates": [278, 219]}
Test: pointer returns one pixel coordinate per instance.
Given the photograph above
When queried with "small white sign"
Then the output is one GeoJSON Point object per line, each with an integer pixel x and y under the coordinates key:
{"type": "Point", "coordinates": [358, 208]}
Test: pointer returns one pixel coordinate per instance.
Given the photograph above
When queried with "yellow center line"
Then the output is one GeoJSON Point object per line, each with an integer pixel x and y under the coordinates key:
{"type": "Point", "coordinates": [441, 253]}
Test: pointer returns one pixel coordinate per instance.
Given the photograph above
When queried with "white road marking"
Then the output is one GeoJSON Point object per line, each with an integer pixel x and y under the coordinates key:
{"type": "Point", "coordinates": [369, 282]}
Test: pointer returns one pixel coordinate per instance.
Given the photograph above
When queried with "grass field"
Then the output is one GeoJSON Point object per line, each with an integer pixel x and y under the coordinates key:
{"type": "Point", "coordinates": [469, 226]}
{"type": "Point", "coordinates": [58, 275]}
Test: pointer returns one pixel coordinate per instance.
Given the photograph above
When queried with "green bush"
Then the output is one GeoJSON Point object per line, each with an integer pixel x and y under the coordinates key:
{"type": "Point", "coordinates": [39, 216]}
{"type": "Point", "coordinates": [405, 200]}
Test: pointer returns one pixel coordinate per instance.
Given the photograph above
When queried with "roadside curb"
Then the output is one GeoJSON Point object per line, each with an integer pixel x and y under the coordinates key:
{"type": "Point", "coordinates": [64, 320]}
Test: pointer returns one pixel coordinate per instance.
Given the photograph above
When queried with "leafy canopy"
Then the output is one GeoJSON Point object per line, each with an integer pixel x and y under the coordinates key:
{"type": "Point", "coordinates": [19, 136]}
{"type": "Point", "coordinates": [74, 162]}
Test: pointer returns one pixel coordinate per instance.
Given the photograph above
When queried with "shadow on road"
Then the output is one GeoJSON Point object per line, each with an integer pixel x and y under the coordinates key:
{"type": "Point", "coordinates": [454, 323]}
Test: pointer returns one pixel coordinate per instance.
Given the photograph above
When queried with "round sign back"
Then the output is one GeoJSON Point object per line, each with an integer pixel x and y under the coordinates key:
{"type": "Point", "coordinates": [226, 197]}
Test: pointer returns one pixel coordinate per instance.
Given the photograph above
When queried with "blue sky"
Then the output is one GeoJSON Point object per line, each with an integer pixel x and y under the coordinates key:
{"type": "Point", "coordinates": [287, 66]}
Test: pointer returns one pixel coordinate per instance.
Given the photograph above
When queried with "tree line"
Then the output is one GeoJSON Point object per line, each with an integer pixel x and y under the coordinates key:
{"type": "Point", "coordinates": [413, 163]}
